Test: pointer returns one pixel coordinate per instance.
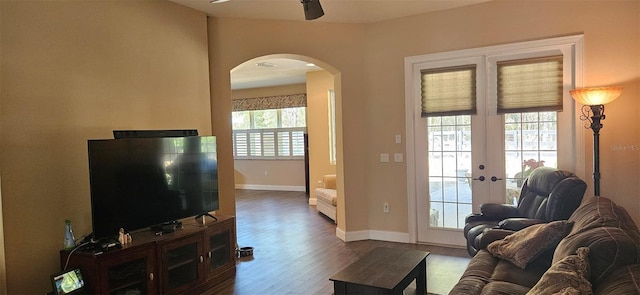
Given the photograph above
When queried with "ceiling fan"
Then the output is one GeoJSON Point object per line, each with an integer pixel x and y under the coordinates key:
{"type": "Point", "coordinates": [312, 9]}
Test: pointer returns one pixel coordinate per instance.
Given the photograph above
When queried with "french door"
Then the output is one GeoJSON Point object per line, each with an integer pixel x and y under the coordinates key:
{"type": "Point", "coordinates": [468, 165]}
{"type": "Point", "coordinates": [463, 161]}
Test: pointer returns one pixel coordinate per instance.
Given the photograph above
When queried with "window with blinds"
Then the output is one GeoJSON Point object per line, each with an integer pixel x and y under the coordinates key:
{"type": "Point", "coordinates": [530, 85]}
{"type": "Point", "coordinates": [277, 144]}
{"type": "Point", "coordinates": [449, 91]}
{"type": "Point", "coordinates": [269, 134]}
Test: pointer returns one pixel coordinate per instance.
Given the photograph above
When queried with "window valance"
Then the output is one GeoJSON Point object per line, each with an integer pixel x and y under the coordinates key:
{"type": "Point", "coordinates": [270, 102]}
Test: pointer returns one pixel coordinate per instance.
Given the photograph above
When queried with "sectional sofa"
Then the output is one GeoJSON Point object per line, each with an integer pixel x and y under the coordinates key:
{"type": "Point", "coordinates": [595, 251]}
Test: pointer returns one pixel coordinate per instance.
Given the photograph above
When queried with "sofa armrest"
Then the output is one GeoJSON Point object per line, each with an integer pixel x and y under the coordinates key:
{"type": "Point", "coordinates": [475, 218]}
{"type": "Point", "coordinates": [489, 235]}
{"type": "Point", "coordinates": [517, 224]}
{"type": "Point", "coordinates": [499, 211]}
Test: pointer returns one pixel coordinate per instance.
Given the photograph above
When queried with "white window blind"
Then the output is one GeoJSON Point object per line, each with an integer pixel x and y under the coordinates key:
{"type": "Point", "coordinates": [280, 143]}
{"type": "Point", "coordinates": [284, 143]}
{"type": "Point", "coordinates": [269, 144]}
{"type": "Point", "coordinates": [255, 143]}
{"type": "Point", "coordinates": [240, 144]}
{"type": "Point", "coordinates": [449, 91]}
{"type": "Point", "coordinates": [269, 133]}
{"type": "Point", "coordinates": [530, 85]}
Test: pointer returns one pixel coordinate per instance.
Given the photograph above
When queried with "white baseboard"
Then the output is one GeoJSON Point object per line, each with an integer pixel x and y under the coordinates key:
{"type": "Point", "coordinates": [341, 234]}
{"type": "Point", "coordinates": [378, 235]}
{"type": "Point", "coordinates": [360, 235]}
{"type": "Point", "coordinates": [389, 236]}
{"type": "Point", "coordinates": [288, 188]}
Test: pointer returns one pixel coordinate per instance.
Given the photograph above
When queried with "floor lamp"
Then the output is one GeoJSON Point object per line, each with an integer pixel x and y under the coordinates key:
{"type": "Point", "coordinates": [593, 100]}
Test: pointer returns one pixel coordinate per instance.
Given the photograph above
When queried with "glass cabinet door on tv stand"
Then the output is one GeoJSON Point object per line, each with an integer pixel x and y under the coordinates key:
{"type": "Point", "coordinates": [220, 247]}
{"type": "Point", "coordinates": [182, 264]}
{"type": "Point", "coordinates": [129, 273]}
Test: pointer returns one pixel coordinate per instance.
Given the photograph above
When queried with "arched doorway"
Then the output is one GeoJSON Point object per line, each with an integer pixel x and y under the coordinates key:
{"type": "Point", "coordinates": [278, 77]}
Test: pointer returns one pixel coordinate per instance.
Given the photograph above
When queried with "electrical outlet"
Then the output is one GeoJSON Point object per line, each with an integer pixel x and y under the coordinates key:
{"type": "Point", "coordinates": [385, 207]}
{"type": "Point", "coordinates": [266, 173]}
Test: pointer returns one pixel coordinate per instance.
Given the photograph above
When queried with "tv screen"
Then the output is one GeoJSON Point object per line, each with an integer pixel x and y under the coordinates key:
{"type": "Point", "coordinates": [142, 182]}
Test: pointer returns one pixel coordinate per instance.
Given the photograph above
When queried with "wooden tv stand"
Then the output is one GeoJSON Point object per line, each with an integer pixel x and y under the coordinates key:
{"type": "Point", "coordinates": [189, 260]}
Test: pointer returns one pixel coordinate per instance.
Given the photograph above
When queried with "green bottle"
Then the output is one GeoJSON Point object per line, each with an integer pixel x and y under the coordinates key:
{"type": "Point", "coordinates": [69, 240]}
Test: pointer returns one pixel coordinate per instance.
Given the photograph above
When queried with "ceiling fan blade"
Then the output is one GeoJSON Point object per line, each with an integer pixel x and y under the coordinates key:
{"type": "Point", "coordinates": [312, 9]}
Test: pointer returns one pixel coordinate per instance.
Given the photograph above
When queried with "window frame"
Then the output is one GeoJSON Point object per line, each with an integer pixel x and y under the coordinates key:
{"type": "Point", "coordinates": [333, 143]}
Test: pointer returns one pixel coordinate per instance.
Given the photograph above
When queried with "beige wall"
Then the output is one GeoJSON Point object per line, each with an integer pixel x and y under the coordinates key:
{"type": "Point", "coordinates": [270, 174]}
{"type": "Point", "coordinates": [612, 36]}
{"type": "Point", "coordinates": [76, 70]}
{"type": "Point", "coordinates": [3, 264]}
{"type": "Point", "coordinates": [318, 85]}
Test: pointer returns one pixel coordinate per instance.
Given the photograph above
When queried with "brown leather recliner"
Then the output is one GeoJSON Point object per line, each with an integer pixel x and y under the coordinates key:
{"type": "Point", "coordinates": [547, 194]}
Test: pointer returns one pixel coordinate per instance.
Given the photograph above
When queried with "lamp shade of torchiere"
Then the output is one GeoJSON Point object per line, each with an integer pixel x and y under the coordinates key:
{"type": "Point", "coordinates": [593, 100]}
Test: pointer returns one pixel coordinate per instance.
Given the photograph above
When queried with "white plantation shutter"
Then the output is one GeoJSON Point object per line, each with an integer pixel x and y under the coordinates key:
{"type": "Point", "coordinates": [280, 143]}
{"type": "Point", "coordinates": [284, 143]}
{"type": "Point", "coordinates": [268, 144]}
{"type": "Point", "coordinates": [240, 144]}
{"type": "Point", "coordinates": [530, 85]}
{"type": "Point", "coordinates": [297, 142]}
{"type": "Point", "coordinates": [255, 143]}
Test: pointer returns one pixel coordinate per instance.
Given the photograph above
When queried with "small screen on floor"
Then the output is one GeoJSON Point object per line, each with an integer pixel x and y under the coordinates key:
{"type": "Point", "coordinates": [68, 282]}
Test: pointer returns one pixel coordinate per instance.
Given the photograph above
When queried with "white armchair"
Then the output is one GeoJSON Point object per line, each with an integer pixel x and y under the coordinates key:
{"type": "Point", "coordinates": [326, 196]}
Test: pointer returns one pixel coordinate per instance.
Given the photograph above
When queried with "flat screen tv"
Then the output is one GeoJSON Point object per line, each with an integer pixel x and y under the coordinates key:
{"type": "Point", "coordinates": [142, 182]}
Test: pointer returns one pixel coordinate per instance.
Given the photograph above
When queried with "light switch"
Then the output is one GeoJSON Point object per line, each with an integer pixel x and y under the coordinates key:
{"type": "Point", "coordinates": [398, 157]}
{"type": "Point", "coordinates": [384, 158]}
{"type": "Point", "coordinates": [398, 138]}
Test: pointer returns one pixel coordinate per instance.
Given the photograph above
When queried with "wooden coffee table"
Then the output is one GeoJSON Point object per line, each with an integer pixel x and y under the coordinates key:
{"type": "Point", "coordinates": [383, 271]}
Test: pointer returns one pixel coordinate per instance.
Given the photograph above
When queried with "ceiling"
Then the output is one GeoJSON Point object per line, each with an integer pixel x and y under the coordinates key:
{"type": "Point", "coordinates": [336, 11]}
{"type": "Point", "coordinates": [288, 71]}
{"type": "Point", "coordinates": [270, 72]}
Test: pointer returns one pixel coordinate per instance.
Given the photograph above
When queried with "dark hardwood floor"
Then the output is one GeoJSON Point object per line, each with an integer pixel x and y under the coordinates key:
{"type": "Point", "coordinates": [296, 249]}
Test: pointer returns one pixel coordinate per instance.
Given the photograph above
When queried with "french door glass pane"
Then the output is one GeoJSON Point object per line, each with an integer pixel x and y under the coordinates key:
{"type": "Point", "coordinates": [531, 141]}
{"type": "Point", "coordinates": [449, 150]}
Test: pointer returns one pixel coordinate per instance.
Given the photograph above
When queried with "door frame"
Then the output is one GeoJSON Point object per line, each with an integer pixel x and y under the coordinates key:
{"type": "Point", "coordinates": [413, 107]}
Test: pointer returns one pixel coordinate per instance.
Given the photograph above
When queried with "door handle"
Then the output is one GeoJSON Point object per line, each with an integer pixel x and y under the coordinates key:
{"type": "Point", "coordinates": [481, 178]}
{"type": "Point", "coordinates": [494, 179]}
